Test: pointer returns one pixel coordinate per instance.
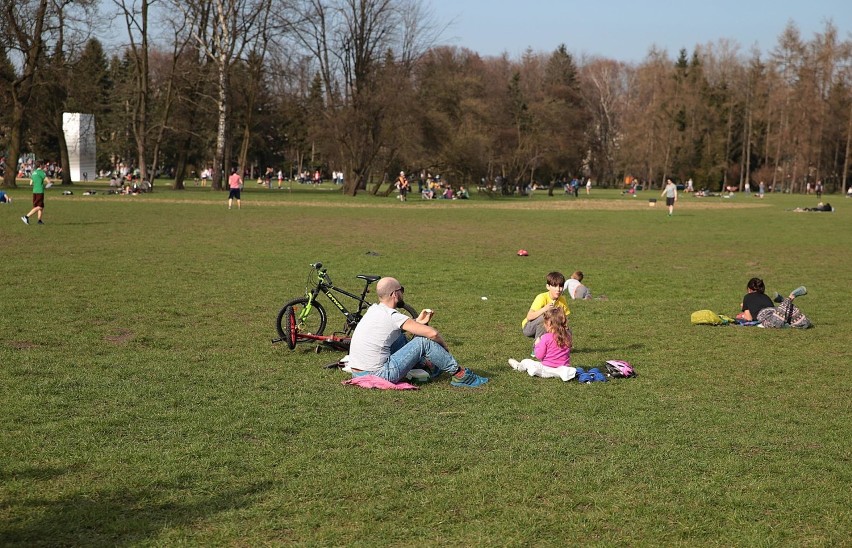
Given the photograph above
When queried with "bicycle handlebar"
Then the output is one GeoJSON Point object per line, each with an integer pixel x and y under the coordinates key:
{"type": "Point", "coordinates": [321, 272]}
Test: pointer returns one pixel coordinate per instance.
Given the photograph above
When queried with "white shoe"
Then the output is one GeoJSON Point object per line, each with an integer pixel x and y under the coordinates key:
{"type": "Point", "coordinates": [514, 364]}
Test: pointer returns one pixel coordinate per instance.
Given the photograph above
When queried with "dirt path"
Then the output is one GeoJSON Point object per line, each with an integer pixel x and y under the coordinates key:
{"type": "Point", "coordinates": [538, 204]}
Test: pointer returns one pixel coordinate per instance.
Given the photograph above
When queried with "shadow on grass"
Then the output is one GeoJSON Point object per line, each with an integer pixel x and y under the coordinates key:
{"type": "Point", "coordinates": [115, 518]}
{"type": "Point", "coordinates": [85, 223]}
{"type": "Point", "coordinates": [634, 346]}
{"type": "Point", "coordinates": [33, 473]}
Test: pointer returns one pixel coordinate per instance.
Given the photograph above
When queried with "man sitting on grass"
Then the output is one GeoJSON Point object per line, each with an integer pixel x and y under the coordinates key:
{"type": "Point", "coordinates": [380, 348]}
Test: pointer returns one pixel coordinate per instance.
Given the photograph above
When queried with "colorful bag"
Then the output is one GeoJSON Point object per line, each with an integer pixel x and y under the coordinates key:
{"type": "Point", "coordinates": [705, 317]}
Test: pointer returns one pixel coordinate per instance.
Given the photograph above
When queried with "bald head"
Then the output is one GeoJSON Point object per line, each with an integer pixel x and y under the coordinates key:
{"type": "Point", "coordinates": [386, 286]}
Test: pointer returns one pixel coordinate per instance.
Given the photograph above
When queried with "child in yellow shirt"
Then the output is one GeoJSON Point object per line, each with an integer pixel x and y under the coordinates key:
{"type": "Point", "coordinates": [533, 324]}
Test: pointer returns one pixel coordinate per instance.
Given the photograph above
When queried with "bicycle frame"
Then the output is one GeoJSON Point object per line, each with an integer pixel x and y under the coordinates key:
{"type": "Point", "coordinates": [325, 286]}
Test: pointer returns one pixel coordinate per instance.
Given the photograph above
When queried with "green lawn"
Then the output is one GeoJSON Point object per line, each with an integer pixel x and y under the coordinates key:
{"type": "Point", "coordinates": [143, 403]}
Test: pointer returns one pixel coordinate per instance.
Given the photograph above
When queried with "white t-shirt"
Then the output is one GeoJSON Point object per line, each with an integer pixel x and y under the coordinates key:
{"type": "Point", "coordinates": [373, 336]}
{"type": "Point", "coordinates": [571, 286]}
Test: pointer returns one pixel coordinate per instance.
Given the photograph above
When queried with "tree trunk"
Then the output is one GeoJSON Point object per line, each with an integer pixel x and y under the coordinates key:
{"type": "Point", "coordinates": [242, 160]}
{"type": "Point", "coordinates": [729, 136]}
{"type": "Point", "coordinates": [14, 149]}
{"type": "Point", "coordinates": [140, 109]}
{"type": "Point", "coordinates": [747, 166]}
{"type": "Point", "coordinates": [63, 158]}
{"type": "Point", "coordinates": [155, 159]}
{"type": "Point", "coordinates": [781, 127]}
{"type": "Point", "coordinates": [848, 147]}
{"type": "Point", "coordinates": [354, 182]}
{"type": "Point", "coordinates": [221, 130]}
{"type": "Point", "coordinates": [180, 169]}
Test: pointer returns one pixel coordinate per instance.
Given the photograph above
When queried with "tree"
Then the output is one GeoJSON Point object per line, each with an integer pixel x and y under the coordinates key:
{"type": "Point", "coordinates": [187, 122]}
{"type": "Point", "coordinates": [349, 41]}
{"type": "Point", "coordinates": [254, 95]}
{"type": "Point", "coordinates": [642, 153]}
{"type": "Point", "coordinates": [34, 33]}
{"type": "Point", "coordinates": [222, 29]}
{"type": "Point", "coordinates": [564, 120]}
{"type": "Point", "coordinates": [136, 20]}
{"type": "Point", "coordinates": [454, 125]}
{"type": "Point", "coordinates": [604, 90]}
{"type": "Point", "coordinates": [91, 93]}
{"type": "Point", "coordinates": [787, 59]}
{"type": "Point", "coordinates": [7, 76]}
{"type": "Point", "coordinates": [26, 23]}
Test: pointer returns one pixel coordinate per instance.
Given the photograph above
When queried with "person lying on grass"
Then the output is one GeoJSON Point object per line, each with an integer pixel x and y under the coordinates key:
{"type": "Point", "coordinates": [575, 288]}
{"type": "Point", "coordinates": [757, 306]}
{"type": "Point", "coordinates": [379, 346]}
{"type": "Point", "coordinates": [820, 207]}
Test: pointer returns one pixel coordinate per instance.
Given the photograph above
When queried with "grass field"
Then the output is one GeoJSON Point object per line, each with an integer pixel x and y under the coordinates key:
{"type": "Point", "coordinates": [143, 403]}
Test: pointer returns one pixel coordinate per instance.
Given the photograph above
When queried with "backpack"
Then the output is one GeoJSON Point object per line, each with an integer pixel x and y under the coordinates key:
{"type": "Point", "coordinates": [705, 317]}
{"type": "Point", "coordinates": [619, 369]}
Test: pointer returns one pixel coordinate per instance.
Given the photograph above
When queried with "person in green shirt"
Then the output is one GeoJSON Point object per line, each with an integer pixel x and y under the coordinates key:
{"type": "Point", "coordinates": [38, 179]}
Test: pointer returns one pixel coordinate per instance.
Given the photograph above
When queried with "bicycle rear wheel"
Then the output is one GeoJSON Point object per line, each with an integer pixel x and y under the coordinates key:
{"type": "Point", "coordinates": [288, 326]}
{"type": "Point", "coordinates": [293, 320]}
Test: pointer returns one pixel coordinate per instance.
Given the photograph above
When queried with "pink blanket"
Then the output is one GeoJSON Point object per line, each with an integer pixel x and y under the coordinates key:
{"type": "Point", "coordinates": [372, 381]}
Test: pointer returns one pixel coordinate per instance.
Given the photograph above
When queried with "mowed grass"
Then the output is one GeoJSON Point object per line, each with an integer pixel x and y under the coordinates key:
{"type": "Point", "coordinates": [143, 403]}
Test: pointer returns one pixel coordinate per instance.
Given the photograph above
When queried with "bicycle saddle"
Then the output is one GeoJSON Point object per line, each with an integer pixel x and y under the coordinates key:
{"type": "Point", "coordinates": [369, 278]}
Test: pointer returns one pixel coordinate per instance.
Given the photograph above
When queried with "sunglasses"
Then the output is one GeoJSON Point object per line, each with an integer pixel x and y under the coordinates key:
{"type": "Point", "coordinates": [402, 289]}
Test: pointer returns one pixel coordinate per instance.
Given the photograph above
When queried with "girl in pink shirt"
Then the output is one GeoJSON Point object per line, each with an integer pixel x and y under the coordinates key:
{"type": "Point", "coordinates": [235, 182]}
{"type": "Point", "coordinates": [552, 350]}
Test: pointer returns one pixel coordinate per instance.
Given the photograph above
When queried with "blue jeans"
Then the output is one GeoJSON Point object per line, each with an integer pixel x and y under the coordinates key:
{"type": "Point", "coordinates": [419, 351]}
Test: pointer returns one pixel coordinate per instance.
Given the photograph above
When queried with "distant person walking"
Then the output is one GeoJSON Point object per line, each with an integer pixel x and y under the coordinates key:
{"type": "Point", "coordinates": [38, 179]}
{"type": "Point", "coordinates": [235, 182]}
{"type": "Point", "coordinates": [670, 192]}
{"type": "Point", "coordinates": [403, 186]}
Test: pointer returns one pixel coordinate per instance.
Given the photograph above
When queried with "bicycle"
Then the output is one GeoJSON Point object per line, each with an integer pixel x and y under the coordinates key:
{"type": "Point", "coordinates": [304, 319]}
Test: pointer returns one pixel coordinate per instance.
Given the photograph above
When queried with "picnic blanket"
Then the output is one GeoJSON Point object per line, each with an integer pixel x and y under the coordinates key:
{"type": "Point", "coordinates": [372, 381]}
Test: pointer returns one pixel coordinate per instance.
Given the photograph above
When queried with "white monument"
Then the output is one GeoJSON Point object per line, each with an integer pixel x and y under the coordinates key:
{"type": "Point", "coordinates": [79, 130]}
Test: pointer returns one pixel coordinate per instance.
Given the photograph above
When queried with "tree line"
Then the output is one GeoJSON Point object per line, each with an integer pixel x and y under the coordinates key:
{"type": "Point", "coordinates": [364, 87]}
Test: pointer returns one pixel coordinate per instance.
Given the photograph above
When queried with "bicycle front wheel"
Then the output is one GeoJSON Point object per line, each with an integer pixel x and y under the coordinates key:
{"type": "Point", "coordinates": [294, 320]}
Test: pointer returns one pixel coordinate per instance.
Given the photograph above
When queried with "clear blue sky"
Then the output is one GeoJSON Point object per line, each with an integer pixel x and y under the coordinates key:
{"type": "Point", "coordinates": [624, 30]}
